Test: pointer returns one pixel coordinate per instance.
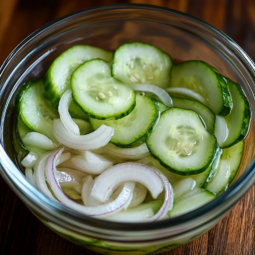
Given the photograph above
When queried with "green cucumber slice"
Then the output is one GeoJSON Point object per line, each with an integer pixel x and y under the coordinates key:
{"type": "Point", "coordinates": [238, 121]}
{"type": "Point", "coordinates": [191, 201]}
{"type": "Point", "coordinates": [202, 177]}
{"type": "Point", "coordinates": [98, 94]}
{"type": "Point", "coordinates": [139, 62]}
{"type": "Point", "coordinates": [137, 213]}
{"type": "Point", "coordinates": [84, 126]}
{"type": "Point", "coordinates": [135, 127]}
{"type": "Point", "coordinates": [34, 110]}
{"type": "Point", "coordinates": [206, 114]}
{"type": "Point", "coordinates": [201, 78]}
{"type": "Point", "coordinates": [226, 168]}
{"type": "Point", "coordinates": [161, 106]}
{"type": "Point", "coordinates": [58, 76]}
{"type": "Point", "coordinates": [76, 112]}
{"type": "Point", "coordinates": [181, 143]}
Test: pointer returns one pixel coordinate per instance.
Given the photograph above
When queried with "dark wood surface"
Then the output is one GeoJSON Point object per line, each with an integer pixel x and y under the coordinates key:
{"type": "Point", "coordinates": [20, 231]}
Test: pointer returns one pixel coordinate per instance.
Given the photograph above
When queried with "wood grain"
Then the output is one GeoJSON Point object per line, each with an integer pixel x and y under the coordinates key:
{"type": "Point", "coordinates": [20, 232]}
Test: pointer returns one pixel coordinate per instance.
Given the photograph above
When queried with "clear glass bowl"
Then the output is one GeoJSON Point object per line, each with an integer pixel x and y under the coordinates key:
{"type": "Point", "coordinates": [184, 38]}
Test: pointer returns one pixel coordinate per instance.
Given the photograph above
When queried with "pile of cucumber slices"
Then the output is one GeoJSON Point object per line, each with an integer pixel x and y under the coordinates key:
{"type": "Point", "coordinates": [191, 118]}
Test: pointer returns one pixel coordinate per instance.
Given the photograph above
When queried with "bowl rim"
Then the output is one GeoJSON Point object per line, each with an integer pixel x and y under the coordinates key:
{"type": "Point", "coordinates": [247, 177]}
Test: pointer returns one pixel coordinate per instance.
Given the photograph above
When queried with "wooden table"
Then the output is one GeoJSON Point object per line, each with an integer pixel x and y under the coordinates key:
{"type": "Point", "coordinates": [20, 231]}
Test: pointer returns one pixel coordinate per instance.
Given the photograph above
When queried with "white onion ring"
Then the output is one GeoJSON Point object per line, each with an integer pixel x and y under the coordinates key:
{"type": "Point", "coordinates": [102, 210]}
{"type": "Point", "coordinates": [64, 157]}
{"type": "Point", "coordinates": [92, 164]}
{"type": "Point", "coordinates": [221, 129]}
{"type": "Point", "coordinates": [188, 92]}
{"type": "Point", "coordinates": [139, 195]}
{"type": "Point", "coordinates": [72, 171]}
{"type": "Point", "coordinates": [29, 160]}
{"type": "Point", "coordinates": [94, 140]}
{"type": "Point", "coordinates": [183, 186]}
{"type": "Point", "coordinates": [168, 201]}
{"type": "Point", "coordinates": [161, 93]}
{"type": "Point", "coordinates": [113, 176]}
{"type": "Point", "coordinates": [40, 176]}
{"type": "Point", "coordinates": [30, 176]}
{"type": "Point", "coordinates": [64, 114]}
{"type": "Point", "coordinates": [138, 152]}
{"type": "Point", "coordinates": [87, 199]}
{"type": "Point", "coordinates": [39, 140]}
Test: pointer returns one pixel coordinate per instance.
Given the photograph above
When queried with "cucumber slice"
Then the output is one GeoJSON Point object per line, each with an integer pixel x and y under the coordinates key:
{"type": "Point", "coordinates": [57, 78]}
{"type": "Point", "coordinates": [238, 121]}
{"type": "Point", "coordinates": [201, 78]}
{"type": "Point", "coordinates": [141, 212]}
{"type": "Point", "coordinates": [161, 106]}
{"type": "Point", "coordinates": [84, 126]}
{"type": "Point", "coordinates": [34, 110]}
{"type": "Point", "coordinates": [181, 143]}
{"type": "Point", "coordinates": [76, 112]}
{"type": "Point", "coordinates": [100, 95]}
{"type": "Point", "coordinates": [135, 127]}
{"type": "Point", "coordinates": [202, 177]}
{"type": "Point", "coordinates": [207, 116]}
{"type": "Point", "coordinates": [139, 62]}
{"type": "Point", "coordinates": [191, 201]}
{"type": "Point", "coordinates": [226, 168]}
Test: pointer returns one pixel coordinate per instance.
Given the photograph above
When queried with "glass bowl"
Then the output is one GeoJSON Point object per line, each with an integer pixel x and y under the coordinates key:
{"type": "Point", "coordinates": [184, 38]}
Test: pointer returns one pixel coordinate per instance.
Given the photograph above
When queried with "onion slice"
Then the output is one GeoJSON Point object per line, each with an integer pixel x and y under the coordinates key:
{"type": "Point", "coordinates": [138, 152]}
{"type": "Point", "coordinates": [40, 176]}
{"type": "Point", "coordinates": [94, 140]}
{"type": "Point", "coordinates": [64, 114]}
{"type": "Point", "coordinates": [103, 210]}
{"type": "Point", "coordinates": [113, 176]}
{"type": "Point", "coordinates": [64, 157]}
{"type": "Point", "coordinates": [187, 92]}
{"type": "Point", "coordinates": [39, 140]}
{"type": "Point", "coordinates": [183, 186]}
{"type": "Point", "coordinates": [159, 92]}
{"type": "Point", "coordinates": [139, 195]}
{"type": "Point", "coordinates": [91, 163]}
{"type": "Point", "coordinates": [30, 176]}
{"type": "Point", "coordinates": [221, 129]}
{"type": "Point", "coordinates": [87, 199]}
{"type": "Point", "coordinates": [168, 201]}
{"type": "Point", "coordinates": [30, 159]}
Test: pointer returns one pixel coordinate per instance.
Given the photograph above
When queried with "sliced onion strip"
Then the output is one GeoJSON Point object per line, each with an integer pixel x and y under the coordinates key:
{"type": "Point", "coordinates": [39, 140]}
{"type": "Point", "coordinates": [40, 176]}
{"type": "Point", "coordinates": [87, 199]}
{"type": "Point", "coordinates": [29, 160]}
{"type": "Point", "coordinates": [102, 210]}
{"type": "Point", "coordinates": [159, 92]}
{"type": "Point", "coordinates": [64, 157]}
{"type": "Point", "coordinates": [92, 164]}
{"type": "Point", "coordinates": [221, 129]}
{"type": "Point", "coordinates": [113, 176]}
{"type": "Point", "coordinates": [30, 176]}
{"type": "Point", "coordinates": [94, 140]}
{"type": "Point", "coordinates": [64, 114]}
{"type": "Point", "coordinates": [168, 201]}
{"type": "Point", "coordinates": [187, 92]}
{"type": "Point", "coordinates": [183, 187]}
{"type": "Point", "coordinates": [139, 195]}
